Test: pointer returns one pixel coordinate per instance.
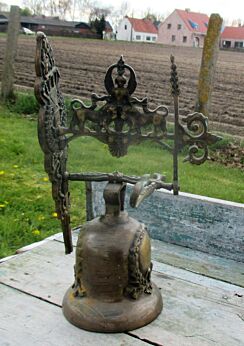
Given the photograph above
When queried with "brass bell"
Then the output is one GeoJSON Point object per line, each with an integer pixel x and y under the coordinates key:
{"type": "Point", "coordinates": [113, 291]}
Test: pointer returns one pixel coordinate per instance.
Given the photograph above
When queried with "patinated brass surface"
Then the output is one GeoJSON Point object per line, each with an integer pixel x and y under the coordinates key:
{"type": "Point", "coordinates": [112, 291]}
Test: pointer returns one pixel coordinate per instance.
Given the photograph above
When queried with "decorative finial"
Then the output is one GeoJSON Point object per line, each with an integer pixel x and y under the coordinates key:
{"type": "Point", "coordinates": [121, 66]}
{"type": "Point", "coordinates": [174, 78]}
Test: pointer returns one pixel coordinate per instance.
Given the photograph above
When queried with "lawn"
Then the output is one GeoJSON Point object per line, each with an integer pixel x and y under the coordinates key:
{"type": "Point", "coordinates": [26, 209]}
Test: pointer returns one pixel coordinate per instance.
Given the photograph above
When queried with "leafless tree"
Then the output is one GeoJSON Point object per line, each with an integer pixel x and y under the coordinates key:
{"type": "Point", "coordinates": [81, 8]}
{"type": "Point", "coordinates": [59, 8]}
{"type": "Point", "coordinates": [118, 14]}
{"type": "Point", "coordinates": [153, 16]}
{"type": "Point", "coordinates": [98, 12]}
{"type": "Point", "coordinates": [3, 7]}
{"type": "Point", "coordinates": [88, 8]}
{"type": "Point", "coordinates": [37, 7]}
{"type": "Point", "coordinates": [63, 8]}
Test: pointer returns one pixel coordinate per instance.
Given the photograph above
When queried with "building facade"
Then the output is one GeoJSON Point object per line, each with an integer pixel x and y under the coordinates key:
{"type": "Point", "coordinates": [232, 37]}
{"type": "Point", "coordinates": [184, 28]}
{"type": "Point", "coordinates": [139, 30]}
{"type": "Point", "coordinates": [51, 26]}
{"type": "Point", "coordinates": [108, 33]}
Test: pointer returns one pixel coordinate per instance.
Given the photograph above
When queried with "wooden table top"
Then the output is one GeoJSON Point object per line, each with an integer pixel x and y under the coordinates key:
{"type": "Point", "coordinates": [203, 299]}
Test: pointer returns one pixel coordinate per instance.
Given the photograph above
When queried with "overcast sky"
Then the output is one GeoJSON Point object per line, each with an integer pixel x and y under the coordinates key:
{"type": "Point", "coordinates": [228, 9]}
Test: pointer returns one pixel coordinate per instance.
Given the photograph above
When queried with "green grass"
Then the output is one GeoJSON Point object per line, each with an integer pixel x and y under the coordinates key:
{"type": "Point", "coordinates": [26, 206]}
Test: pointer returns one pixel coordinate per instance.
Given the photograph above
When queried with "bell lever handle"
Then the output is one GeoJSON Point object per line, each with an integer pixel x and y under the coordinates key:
{"type": "Point", "coordinates": [115, 177]}
{"type": "Point", "coordinates": [146, 186]}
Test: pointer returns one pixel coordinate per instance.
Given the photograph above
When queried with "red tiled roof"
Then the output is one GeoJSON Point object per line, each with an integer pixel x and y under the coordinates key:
{"type": "Point", "coordinates": [143, 25]}
{"type": "Point", "coordinates": [200, 19]}
{"type": "Point", "coordinates": [232, 32]}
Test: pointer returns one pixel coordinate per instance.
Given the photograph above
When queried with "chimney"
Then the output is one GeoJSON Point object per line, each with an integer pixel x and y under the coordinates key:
{"type": "Point", "coordinates": [188, 10]}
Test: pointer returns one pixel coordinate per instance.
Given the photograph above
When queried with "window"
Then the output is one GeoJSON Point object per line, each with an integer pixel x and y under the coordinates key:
{"type": "Point", "coordinates": [226, 44]}
{"type": "Point", "coordinates": [153, 38]}
{"type": "Point", "coordinates": [238, 44]}
{"type": "Point", "coordinates": [184, 39]}
{"type": "Point", "coordinates": [125, 27]}
{"type": "Point", "coordinates": [173, 38]}
{"type": "Point", "coordinates": [169, 26]}
{"type": "Point", "coordinates": [179, 26]}
{"type": "Point", "coordinates": [138, 37]}
{"type": "Point", "coordinates": [193, 24]}
{"type": "Point", "coordinates": [148, 38]}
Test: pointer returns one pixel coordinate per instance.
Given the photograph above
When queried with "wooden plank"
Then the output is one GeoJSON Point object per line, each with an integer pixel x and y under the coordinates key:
{"type": "Point", "coordinates": [197, 310]}
{"type": "Point", "coordinates": [199, 262]}
{"type": "Point", "coordinates": [196, 315]}
{"type": "Point", "coordinates": [197, 279]}
{"type": "Point", "coordinates": [43, 272]}
{"type": "Point", "coordinates": [192, 260]}
{"type": "Point", "coordinates": [29, 321]}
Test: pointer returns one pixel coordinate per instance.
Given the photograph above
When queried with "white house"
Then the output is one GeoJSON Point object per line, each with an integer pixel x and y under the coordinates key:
{"type": "Point", "coordinates": [140, 30]}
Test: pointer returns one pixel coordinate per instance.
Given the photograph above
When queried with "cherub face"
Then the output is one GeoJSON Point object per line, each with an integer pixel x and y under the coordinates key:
{"type": "Point", "coordinates": [120, 81]}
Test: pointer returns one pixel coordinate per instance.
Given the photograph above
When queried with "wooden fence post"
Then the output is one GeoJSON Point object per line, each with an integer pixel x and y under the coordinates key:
{"type": "Point", "coordinates": [208, 64]}
{"type": "Point", "coordinates": [10, 53]}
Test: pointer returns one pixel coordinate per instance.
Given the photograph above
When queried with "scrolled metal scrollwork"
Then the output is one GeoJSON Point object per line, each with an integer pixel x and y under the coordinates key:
{"type": "Point", "coordinates": [196, 125]}
{"type": "Point", "coordinates": [191, 130]}
{"type": "Point", "coordinates": [197, 153]}
{"type": "Point", "coordinates": [194, 132]}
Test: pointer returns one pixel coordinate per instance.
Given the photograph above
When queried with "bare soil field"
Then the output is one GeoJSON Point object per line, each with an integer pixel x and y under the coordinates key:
{"type": "Point", "coordinates": [83, 64]}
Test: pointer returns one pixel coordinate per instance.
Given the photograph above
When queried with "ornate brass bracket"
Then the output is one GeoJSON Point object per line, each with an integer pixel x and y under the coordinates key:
{"type": "Point", "coordinates": [121, 121]}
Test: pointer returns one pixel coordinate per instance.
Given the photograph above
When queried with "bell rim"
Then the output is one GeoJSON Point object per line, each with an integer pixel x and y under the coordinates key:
{"type": "Point", "coordinates": [112, 317]}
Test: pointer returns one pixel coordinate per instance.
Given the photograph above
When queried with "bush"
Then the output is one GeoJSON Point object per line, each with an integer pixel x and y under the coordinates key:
{"type": "Point", "coordinates": [23, 104]}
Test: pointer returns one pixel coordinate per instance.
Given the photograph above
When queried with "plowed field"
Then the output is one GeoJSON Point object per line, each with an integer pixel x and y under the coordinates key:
{"type": "Point", "coordinates": [83, 64]}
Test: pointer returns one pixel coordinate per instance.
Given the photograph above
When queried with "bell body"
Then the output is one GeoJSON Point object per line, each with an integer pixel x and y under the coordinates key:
{"type": "Point", "coordinates": [112, 290]}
